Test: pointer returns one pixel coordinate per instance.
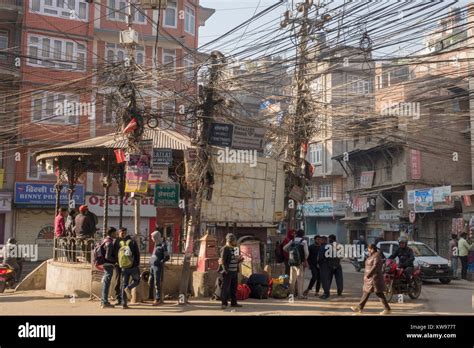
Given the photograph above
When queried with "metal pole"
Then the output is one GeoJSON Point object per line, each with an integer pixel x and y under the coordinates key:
{"type": "Point", "coordinates": [106, 185]}
{"type": "Point", "coordinates": [121, 185]}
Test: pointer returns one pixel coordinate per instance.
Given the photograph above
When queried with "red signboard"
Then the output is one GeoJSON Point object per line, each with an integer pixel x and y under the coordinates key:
{"type": "Point", "coordinates": [415, 161]}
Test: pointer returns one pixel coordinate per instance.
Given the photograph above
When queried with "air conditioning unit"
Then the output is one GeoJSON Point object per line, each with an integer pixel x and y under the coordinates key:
{"type": "Point", "coordinates": [153, 4]}
{"type": "Point", "coordinates": [128, 37]}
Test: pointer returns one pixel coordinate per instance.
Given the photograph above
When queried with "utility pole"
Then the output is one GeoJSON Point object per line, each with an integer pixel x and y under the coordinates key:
{"type": "Point", "coordinates": [204, 172]}
{"type": "Point", "coordinates": [303, 122]}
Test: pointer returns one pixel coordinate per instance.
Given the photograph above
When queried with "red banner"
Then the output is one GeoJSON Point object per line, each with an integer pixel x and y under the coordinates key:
{"type": "Point", "coordinates": [415, 161]}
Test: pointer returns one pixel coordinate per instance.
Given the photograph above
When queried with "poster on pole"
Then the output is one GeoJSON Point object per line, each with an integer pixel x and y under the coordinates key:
{"type": "Point", "coordinates": [158, 174]}
{"type": "Point", "coordinates": [137, 173]}
{"type": "Point", "coordinates": [220, 134]}
{"type": "Point", "coordinates": [248, 138]}
{"type": "Point", "coordinates": [424, 201]}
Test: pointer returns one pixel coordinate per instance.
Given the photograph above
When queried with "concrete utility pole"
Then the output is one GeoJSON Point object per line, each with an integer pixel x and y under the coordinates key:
{"type": "Point", "coordinates": [203, 171]}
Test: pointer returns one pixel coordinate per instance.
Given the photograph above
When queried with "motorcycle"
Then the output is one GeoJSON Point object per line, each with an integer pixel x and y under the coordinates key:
{"type": "Point", "coordinates": [358, 263]}
{"type": "Point", "coordinates": [7, 277]}
{"type": "Point", "coordinates": [396, 282]}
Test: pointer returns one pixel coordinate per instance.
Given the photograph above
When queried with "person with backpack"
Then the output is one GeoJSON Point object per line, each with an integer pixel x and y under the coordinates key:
{"type": "Point", "coordinates": [104, 256]}
{"type": "Point", "coordinates": [229, 267]}
{"type": "Point", "coordinates": [129, 262]}
{"type": "Point", "coordinates": [334, 263]}
{"type": "Point", "coordinates": [157, 260]}
{"type": "Point", "coordinates": [298, 254]}
{"type": "Point", "coordinates": [122, 233]}
{"type": "Point", "coordinates": [289, 237]}
{"type": "Point", "coordinates": [313, 266]}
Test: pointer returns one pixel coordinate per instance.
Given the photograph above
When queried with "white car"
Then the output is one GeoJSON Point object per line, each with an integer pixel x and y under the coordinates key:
{"type": "Point", "coordinates": [432, 265]}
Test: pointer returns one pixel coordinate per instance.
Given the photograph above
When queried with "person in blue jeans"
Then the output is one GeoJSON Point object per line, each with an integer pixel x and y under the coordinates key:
{"type": "Point", "coordinates": [109, 265]}
{"type": "Point", "coordinates": [157, 260]}
{"type": "Point", "coordinates": [129, 250]}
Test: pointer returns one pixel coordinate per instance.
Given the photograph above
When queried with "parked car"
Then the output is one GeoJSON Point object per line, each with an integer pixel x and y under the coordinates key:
{"type": "Point", "coordinates": [432, 265]}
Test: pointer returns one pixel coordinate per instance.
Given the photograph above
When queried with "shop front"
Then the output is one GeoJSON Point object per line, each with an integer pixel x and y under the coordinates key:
{"type": "Point", "coordinates": [324, 218]}
{"type": "Point", "coordinates": [34, 214]}
{"type": "Point", "coordinates": [5, 216]}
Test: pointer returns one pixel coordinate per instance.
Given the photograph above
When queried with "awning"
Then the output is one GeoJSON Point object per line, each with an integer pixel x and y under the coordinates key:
{"type": "Point", "coordinates": [354, 218]}
{"type": "Point", "coordinates": [462, 193]}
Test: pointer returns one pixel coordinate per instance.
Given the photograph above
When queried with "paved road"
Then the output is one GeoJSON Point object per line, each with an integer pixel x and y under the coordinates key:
{"type": "Point", "coordinates": [436, 298]}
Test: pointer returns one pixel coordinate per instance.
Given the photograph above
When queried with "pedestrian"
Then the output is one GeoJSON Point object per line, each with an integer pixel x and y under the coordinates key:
{"type": "Point", "coordinates": [463, 250]}
{"type": "Point", "coordinates": [453, 255]}
{"type": "Point", "coordinates": [60, 231]}
{"type": "Point", "coordinates": [10, 255]}
{"type": "Point", "coordinates": [289, 237]}
{"type": "Point", "coordinates": [157, 261]}
{"type": "Point", "coordinates": [361, 242]}
{"type": "Point", "coordinates": [129, 262]}
{"type": "Point", "coordinates": [334, 265]}
{"type": "Point", "coordinates": [313, 266]}
{"type": "Point", "coordinates": [229, 267]}
{"type": "Point", "coordinates": [110, 258]}
{"type": "Point", "coordinates": [85, 230]}
{"type": "Point", "coordinates": [373, 281]}
{"type": "Point", "coordinates": [380, 238]}
{"type": "Point", "coordinates": [122, 233]}
{"type": "Point", "coordinates": [324, 268]}
{"type": "Point", "coordinates": [71, 243]}
{"type": "Point", "coordinates": [298, 252]}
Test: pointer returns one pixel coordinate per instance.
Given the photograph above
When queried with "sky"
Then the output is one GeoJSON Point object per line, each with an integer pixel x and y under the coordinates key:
{"type": "Point", "coordinates": [230, 13]}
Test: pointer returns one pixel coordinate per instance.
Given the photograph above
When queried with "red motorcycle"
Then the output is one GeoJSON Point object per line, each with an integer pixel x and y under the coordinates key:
{"type": "Point", "coordinates": [7, 277]}
{"type": "Point", "coordinates": [396, 282]}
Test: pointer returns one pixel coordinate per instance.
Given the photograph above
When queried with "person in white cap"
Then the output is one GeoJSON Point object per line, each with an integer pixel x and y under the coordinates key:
{"type": "Point", "coordinates": [157, 260]}
{"type": "Point", "coordinates": [229, 267]}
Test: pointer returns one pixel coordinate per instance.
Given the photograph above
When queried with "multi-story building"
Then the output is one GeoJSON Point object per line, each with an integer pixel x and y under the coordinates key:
{"type": "Point", "coordinates": [342, 89]}
{"type": "Point", "coordinates": [65, 50]}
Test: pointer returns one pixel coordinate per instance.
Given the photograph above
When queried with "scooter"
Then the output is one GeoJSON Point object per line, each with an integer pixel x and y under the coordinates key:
{"type": "Point", "coordinates": [396, 283]}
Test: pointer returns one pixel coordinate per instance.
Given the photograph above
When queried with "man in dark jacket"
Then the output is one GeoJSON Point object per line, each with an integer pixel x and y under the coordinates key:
{"type": "Point", "coordinates": [334, 263]}
{"type": "Point", "coordinates": [324, 268]}
{"type": "Point", "coordinates": [132, 272]}
{"type": "Point", "coordinates": [406, 257]}
{"type": "Point", "coordinates": [109, 264]}
{"type": "Point", "coordinates": [313, 266]}
{"type": "Point", "coordinates": [229, 267]}
{"type": "Point", "coordinates": [85, 230]}
{"type": "Point", "coordinates": [157, 261]}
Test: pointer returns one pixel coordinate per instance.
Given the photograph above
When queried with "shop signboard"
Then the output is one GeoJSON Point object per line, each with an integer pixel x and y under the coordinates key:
{"type": "Point", "coordinates": [424, 201]}
{"type": "Point", "coordinates": [44, 194]}
{"type": "Point", "coordinates": [167, 195]}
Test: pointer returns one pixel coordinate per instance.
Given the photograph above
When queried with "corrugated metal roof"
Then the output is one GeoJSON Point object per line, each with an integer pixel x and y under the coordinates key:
{"type": "Point", "coordinates": [161, 139]}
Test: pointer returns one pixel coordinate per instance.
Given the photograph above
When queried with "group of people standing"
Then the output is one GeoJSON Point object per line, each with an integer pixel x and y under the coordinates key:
{"type": "Point", "coordinates": [458, 252]}
{"type": "Point", "coordinates": [121, 259]}
{"type": "Point", "coordinates": [324, 266]}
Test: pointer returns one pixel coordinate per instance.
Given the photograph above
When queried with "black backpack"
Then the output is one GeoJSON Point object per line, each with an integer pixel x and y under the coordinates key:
{"type": "Point", "coordinates": [296, 253]}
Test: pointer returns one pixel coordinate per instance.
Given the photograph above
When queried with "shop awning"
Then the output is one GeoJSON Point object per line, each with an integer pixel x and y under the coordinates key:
{"type": "Point", "coordinates": [354, 218]}
{"type": "Point", "coordinates": [462, 193]}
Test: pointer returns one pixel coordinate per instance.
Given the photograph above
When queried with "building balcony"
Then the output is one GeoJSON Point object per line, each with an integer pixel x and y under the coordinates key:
{"type": "Point", "coordinates": [11, 10]}
{"type": "Point", "coordinates": [8, 70]}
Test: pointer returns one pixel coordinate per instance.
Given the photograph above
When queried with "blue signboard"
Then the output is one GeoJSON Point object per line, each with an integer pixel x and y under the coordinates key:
{"type": "Point", "coordinates": [45, 194]}
{"type": "Point", "coordinates": [424, 201]}
{"type": "Point", "coordinates": [326, 209]}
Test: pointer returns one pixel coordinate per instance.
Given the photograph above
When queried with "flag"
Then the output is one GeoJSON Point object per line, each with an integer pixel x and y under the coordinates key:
{"type": "Point", "coordinates": [132, 125]}
{"type": "Point", "coordinates": [119, 155]}
{"type": "Point", "coordinates": [467, 200]}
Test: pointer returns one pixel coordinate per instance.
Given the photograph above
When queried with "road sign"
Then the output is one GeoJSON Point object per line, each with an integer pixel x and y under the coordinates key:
{"type": "Point", "coordinates": [162, 157]}
{"type": "Point", "coordinates": [167, 195]}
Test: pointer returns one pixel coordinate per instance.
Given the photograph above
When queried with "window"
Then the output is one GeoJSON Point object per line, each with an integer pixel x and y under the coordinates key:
{"type": "Point", "coordinates": [37, 171]}
{"type": "Point", "coordinates": [325, 190]}
{"type": "Point", "coordinates": [171, 15]}
{"type": "Point", "coordinates": [117, 10]}
{"type": "Point", "coordinates": [312, 194]}
{"type": "Point", "coordinates": [115, 53]}
{"type": "Point", "coordinates": [169, 59]}
{"type": "Point", "coordinates": [189, 20]}
{"type": "Point", "coordinates": [3, 44]}
{"type": "Point", "coordinates": [56, 53]}
{"type": "Point", "coordinates": [358, 85]}
{"type": "Point", "coordinates": [57, 108]}
{"type": "Point", "coordinates": [110, 114]}
{"type": "Point", "coordinates": [70, 9]}
{"type": "Point", "coordinates": [188, 68]}
{"type": "Point", "coordinates": [168, 110]}
{"type": "Point", "coordinates": [315, 153]}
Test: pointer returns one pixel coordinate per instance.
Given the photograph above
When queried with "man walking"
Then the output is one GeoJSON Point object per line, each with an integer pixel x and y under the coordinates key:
{"type": "Point", "coordinates": [107, 247]}
{"type": "Point", "coordinates": [129, 262]}
{"type": "Point", "coordinates": [324, 268]}
{"type": "Point", "coordinates": [298, 253]}
{"type": "Point", "coordinates": [453, 255]}
{"type": "Point", "coordinates": [313, 266]}
{"type": "Point", "coordinates": [463, 250]}
{"type": "Point", "coordinates": [122, 233]}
